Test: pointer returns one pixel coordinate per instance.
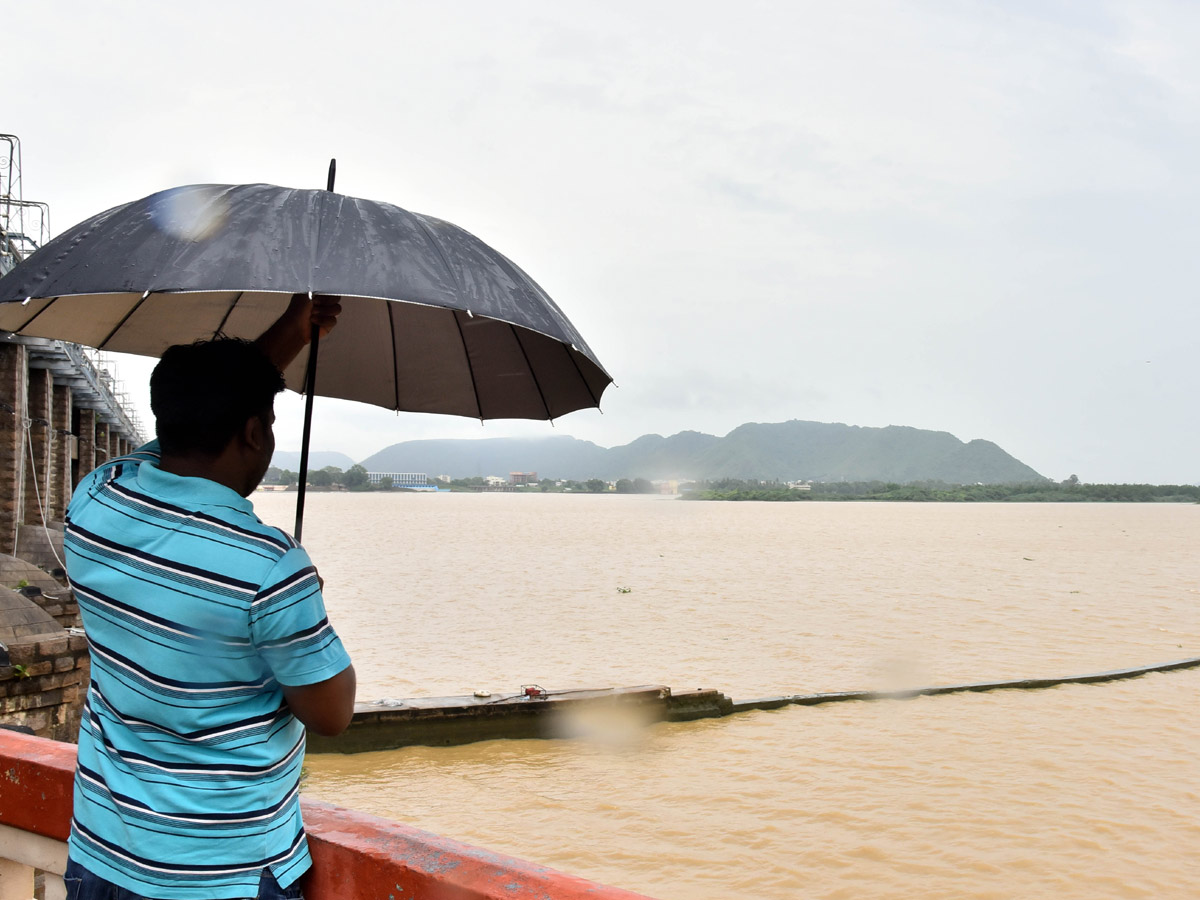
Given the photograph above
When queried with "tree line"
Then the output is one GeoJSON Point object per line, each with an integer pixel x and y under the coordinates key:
{"type": "Point", "coordinates": [352, 479]}
{"type": "Point", "coordinates": [1069, 491]}
{"type": "Point", "coordinates": [1072, 490]}
{"type": "Point", "coordinates": [355, 479]}
{"type": "Point", "coordinates": [564, 486]}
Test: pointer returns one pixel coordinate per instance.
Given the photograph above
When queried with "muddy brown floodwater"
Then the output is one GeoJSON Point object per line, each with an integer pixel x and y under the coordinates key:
{"type": "Point", "coordinates": [1073, 792]}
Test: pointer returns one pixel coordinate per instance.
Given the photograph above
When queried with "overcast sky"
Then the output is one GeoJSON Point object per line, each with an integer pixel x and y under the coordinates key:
{"type": "Point", "coordinates": [971, 217]}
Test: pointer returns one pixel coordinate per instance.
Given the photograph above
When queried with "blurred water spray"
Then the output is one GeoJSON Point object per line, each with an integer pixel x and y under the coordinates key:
{"type": "Point", "coordinates": [615, 724]}
{"type": "Point", "coordinates": [901, 672]}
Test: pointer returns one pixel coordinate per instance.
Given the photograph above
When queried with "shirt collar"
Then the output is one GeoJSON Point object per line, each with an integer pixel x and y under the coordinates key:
{"type": "Point", "coordinates": [188, 490]}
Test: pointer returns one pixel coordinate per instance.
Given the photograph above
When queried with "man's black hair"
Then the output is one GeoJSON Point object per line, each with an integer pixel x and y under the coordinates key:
{"type": "Point", "coordinates": [202, 394]}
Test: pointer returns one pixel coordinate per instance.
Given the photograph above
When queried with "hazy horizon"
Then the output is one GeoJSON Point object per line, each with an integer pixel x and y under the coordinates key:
{"type": "Point", "coordinates": [317, 462]}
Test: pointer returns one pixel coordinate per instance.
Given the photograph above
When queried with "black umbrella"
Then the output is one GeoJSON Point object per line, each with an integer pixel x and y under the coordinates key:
{"type": "Point", "coordinates": [433, 320]}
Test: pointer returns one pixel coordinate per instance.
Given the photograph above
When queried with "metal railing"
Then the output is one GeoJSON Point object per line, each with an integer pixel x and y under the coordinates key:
{"type": "Point", "coordinates": [24, 857]}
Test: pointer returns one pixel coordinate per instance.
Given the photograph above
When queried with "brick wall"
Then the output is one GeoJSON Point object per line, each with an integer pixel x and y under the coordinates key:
{"type": "Point", "coordinates": [42, 546]}
{"type": "Point", "coordinates": [102, 438]}
{"type": "Point", "coordinates": [60, 606]}
{"type": "Point", "coordinates": [14, 369]}
{"type": "Point", "coordinates": [37, 476]}
{"type": "Point", "coordinates": [60, 454]}
{"type": "Point", "coordinates": [43, 688]}
{"type": "Point", "coordinates": [86, 446]}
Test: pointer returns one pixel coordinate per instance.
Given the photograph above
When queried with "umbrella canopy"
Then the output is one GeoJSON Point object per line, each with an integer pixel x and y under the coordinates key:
{"type": "Point", "coordinates": [434, 320]}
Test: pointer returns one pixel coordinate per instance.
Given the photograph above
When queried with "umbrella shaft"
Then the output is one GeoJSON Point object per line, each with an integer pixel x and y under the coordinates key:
{"type": "Point", "coordinates": [310, 388]}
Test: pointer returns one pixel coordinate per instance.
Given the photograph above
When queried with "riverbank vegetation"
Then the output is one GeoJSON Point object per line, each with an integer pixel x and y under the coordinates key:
{"type": "Point", "coordinates": [353, 479]}
{"type": "Point", "coordinates": [1070, 491]}
{"type": "Point", "coordinates": [560, 486]}
{"type": "Point", "coordinates": [356, 478]}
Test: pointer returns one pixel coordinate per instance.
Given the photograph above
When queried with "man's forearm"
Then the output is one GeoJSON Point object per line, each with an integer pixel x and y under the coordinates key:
{"type": "Point", "coordinates": [327, 706]}
{"type": "Point", "coordinates": [284, 340]}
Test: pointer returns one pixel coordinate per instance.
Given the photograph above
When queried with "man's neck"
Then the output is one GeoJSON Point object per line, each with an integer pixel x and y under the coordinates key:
{"type": "Point", "coordinates": [214, 468]}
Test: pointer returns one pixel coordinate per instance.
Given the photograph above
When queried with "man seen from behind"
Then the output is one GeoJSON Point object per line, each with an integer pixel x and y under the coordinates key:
{"type": "Point", "coordinates": [210, 647]}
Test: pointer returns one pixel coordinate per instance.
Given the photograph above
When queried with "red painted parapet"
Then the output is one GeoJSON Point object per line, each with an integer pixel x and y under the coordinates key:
{"type": "Point", "coordinates": [36, 777]}
{"type": "Point", "coordinates": [355, 856]}
{"type": "Point", "coordinates": [367, 858]}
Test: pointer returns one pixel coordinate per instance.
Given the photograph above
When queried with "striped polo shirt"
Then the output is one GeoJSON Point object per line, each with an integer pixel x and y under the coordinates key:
{"type": "Point", "coordinates": [196, 612]}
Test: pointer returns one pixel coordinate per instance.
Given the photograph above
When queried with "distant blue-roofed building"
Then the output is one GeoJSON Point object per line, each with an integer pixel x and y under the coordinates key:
{"type": "Point", "coordinates": [409, 481]}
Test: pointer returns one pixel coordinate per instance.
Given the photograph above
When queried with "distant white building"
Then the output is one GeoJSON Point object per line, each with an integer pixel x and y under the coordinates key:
{"type": "Point", "coordinates": [400, 479]}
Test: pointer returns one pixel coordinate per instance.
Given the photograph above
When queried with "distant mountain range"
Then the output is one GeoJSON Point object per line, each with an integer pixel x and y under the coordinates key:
{"type": "Point", "coordinates": [786, 451]}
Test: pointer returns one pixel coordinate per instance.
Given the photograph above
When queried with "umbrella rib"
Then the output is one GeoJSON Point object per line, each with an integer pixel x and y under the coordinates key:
{"type": "Point", "coordinates": [124, 319]}
{"type": "Point", "coordinates": [532, 374]}
{"type": "Point", "coordinates": [395, 356]}
{"type": "Point", "coordinates": [470, 368]}
{"type": "Point", "coordinates": [225, 318]}
{"type": "Point", "coordinates": [582, 377]}
{"type": "Point", "coordinates": [33, 318]}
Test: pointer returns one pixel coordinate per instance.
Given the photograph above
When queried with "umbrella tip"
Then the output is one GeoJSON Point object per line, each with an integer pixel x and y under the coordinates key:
{"type": "Point", "coordinates": [332, 174]}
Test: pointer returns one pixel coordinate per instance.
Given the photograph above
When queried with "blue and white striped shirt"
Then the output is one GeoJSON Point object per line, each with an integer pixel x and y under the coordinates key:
{"type": "Point", "coordinates": [196, 613]}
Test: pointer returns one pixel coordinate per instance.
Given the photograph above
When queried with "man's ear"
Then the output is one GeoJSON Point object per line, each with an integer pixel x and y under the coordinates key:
{"type": "Point", "coordinates": [254, 433]}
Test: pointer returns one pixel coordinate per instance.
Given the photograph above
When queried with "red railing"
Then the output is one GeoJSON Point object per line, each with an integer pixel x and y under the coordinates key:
{"type": "Point", "coordinates": [355, 856]}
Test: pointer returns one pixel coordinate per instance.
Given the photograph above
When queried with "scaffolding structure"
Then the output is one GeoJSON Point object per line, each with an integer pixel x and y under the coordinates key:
{"type": "Point", "coordinates": [24, 227]}
{"type": "Point", "coordinates": [24, 224]}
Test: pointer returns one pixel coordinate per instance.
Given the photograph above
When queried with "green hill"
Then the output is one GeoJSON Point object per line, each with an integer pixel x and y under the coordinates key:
{"type": "Point", "coordinates": [783, 451]}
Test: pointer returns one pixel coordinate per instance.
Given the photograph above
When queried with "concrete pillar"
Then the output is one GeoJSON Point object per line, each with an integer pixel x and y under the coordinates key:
{"type": "Point", "coordinates": [37, 475]}
{"type": "Point", "coordinates": [14, 376]}
{"type": "Point", "coordinates": [86, 432]}
{"type": "Point", "coordinates": [102, 441]}
{"type": "Point", "coordinates": [60, 454]}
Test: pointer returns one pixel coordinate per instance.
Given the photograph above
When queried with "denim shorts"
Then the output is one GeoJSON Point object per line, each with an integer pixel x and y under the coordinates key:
{"type": "Point", "coordinates": [83, 885]}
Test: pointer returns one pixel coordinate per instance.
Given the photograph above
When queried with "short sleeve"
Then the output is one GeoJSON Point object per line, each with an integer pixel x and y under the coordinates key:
{"type": "Point", "coordinates": [288, 625]}
{"type": "Point", "coordinates": [91, 481]}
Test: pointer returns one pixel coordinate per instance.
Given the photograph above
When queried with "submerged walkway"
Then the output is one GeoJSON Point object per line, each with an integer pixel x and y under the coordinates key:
{"type": "Point", "coordinates": [1020, 684]}
{"type": "Point", "coordinates": [537, 713]}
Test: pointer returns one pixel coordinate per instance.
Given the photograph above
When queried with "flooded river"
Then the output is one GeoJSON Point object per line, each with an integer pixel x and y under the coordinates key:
{"type": "Point", "coordinates": [1074, 792]}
